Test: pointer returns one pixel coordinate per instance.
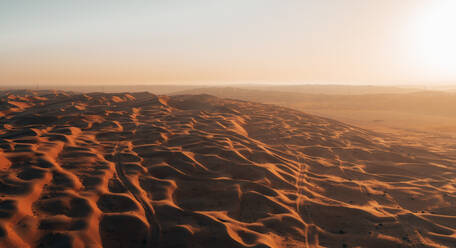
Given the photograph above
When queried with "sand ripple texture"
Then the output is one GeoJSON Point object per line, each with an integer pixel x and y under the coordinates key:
{"type": "Point", "coordinates": [140, 170]}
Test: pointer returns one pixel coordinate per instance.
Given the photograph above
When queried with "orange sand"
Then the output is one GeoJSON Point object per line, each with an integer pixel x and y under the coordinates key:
{"type": "Point", "coordinates": [139, 170]}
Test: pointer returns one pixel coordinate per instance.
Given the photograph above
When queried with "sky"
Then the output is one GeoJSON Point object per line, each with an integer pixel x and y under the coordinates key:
{"type": "Point", "coordinates": [235, 41]}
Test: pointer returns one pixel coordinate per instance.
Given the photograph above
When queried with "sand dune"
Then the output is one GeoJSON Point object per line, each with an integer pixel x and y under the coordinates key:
{"type": "Point", "coordinates": [428, 113]}
{"type": "Point", "coordinates": [140, 170]}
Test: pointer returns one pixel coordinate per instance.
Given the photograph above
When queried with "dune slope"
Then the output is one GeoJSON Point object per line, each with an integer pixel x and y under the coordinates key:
{"type": "Point", "coordinates": [139, 170]}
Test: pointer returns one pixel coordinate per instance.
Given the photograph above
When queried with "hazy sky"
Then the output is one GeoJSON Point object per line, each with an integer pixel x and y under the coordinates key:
{"type": "Point", "coordinates": [170, 41]}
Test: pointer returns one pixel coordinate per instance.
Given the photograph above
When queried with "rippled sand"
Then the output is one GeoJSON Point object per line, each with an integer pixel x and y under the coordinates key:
{"type": "Point", "coordinates": [138, 170]}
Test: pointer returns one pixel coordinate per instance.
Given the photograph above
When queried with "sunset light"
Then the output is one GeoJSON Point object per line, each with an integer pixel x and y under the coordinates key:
{"type": "Point", "coordinates": [227, 123]}
{"type": "Point", "coordinates": [433, 38]}
{"type": "Point", "coordinates": [224, 42]}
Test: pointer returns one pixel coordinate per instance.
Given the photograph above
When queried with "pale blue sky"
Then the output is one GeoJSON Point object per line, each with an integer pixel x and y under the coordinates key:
{"type": "Point", "coordinates": [346, 41]}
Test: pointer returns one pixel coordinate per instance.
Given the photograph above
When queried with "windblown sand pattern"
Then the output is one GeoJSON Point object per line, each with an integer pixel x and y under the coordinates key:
{"type": "Point", "coordinates": [139, 170]}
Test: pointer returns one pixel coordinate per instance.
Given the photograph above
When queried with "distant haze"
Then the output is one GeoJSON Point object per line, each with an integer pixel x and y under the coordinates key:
{"type": "Point", "coordinates": [220, 42]}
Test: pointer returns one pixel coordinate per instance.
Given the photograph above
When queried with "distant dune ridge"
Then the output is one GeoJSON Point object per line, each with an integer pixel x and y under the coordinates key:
{"type": "Point", "coordinates": [141, 170]}
{"type": "Point", "coordinates": [388, 109]}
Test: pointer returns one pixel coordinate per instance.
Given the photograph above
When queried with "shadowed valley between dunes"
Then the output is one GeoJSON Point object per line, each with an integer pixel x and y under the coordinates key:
{"type": "Point", "coordinates": [140, 170]}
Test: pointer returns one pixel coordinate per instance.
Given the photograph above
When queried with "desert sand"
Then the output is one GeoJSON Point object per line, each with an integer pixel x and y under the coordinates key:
{"type": "Point", "coordinates": [429, 114]}
{"type": "Point", "coordinates": [140, 170]}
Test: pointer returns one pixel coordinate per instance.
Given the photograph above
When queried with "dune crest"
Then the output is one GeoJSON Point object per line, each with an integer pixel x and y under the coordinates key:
{"type": "Point", "coordinates": [140, 170]}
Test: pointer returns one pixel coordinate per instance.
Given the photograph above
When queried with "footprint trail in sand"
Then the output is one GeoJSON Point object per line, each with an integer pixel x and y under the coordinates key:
{"type": "Point", "coordinates": [140, 170]}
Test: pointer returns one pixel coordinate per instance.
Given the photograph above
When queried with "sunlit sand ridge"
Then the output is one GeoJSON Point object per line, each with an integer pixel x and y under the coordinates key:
{"type": "Point", "coordinates": [139, 170]}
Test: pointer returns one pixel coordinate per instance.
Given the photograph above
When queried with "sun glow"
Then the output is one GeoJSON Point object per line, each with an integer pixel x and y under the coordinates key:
{"type": "Point", "coordinates": [434, 38]}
